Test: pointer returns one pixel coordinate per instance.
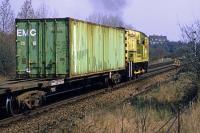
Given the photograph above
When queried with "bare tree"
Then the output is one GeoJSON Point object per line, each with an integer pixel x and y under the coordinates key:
{"type": "Point", "coordinates": [191, 32]}
{"type": "Point", "coordinates": [27, 11]}
{"type": "Point", "coordinates": [54, 14]}
{"type": "Point", "coordinates": [7, 54]}
{"type": "Point", "coordinates": [6, 17]}
{"type": "Point", "coordinates": [191, 35]}
{"type": "Point", "coordinates": [106, 20]}
{"type": "Point", "coordinates": [7, 39]}
{"type": "Point", "coordinates": [43, 11]}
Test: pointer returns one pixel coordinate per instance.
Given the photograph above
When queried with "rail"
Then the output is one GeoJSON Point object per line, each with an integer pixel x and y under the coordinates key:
{"type": "Point", "coordinates": [175, 120]}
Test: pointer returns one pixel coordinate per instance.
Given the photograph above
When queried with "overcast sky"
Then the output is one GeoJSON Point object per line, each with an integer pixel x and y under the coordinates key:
{"type": "Point", "coordinates": [161, 17]}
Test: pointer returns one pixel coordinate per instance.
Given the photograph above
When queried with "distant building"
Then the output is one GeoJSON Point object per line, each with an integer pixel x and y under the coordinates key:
{"type": "Point", "coordinates": [155, 39]}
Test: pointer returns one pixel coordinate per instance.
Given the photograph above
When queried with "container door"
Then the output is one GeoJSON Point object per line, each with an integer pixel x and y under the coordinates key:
{"type": "Point", "coordinates": [21, 46]}
{"type": "Point", "coordinates": [28, 48]}
{"type": "Point", "coordinates": [62, 48]}
{"type": "Point", "coordinates": [49, 48]}
{"type": "Point", "coordinates": [34, 46]}
{"type": "Point", "coordinates": [55, 47]}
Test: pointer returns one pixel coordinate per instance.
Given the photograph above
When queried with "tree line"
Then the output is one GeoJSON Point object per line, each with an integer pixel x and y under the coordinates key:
{"type": "Point", "coordinates": [191, 35]}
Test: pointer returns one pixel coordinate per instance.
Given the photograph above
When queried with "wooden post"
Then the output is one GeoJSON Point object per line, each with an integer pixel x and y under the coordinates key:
{"type": "Point", "coordinates": [179, 124]}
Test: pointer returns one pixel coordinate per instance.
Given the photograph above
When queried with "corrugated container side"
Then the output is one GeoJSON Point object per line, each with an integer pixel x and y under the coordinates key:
{"type": "Point", "coordinates": [95, 48]}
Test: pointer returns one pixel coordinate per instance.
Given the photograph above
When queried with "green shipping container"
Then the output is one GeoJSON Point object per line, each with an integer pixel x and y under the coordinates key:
{"type": "Point", "coordinates": [67, 48]}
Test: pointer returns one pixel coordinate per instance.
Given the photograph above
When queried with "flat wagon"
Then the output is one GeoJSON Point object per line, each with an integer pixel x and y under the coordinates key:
{"type": "Point", "coordinates": [54, 54]}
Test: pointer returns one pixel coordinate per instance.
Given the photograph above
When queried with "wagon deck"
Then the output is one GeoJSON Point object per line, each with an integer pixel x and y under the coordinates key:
{"type": "Point", "coordinates": [18, 85]}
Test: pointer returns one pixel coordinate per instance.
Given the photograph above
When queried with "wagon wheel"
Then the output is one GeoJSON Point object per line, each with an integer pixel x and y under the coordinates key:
{"type": "Point", "coordinates": [12, 105]}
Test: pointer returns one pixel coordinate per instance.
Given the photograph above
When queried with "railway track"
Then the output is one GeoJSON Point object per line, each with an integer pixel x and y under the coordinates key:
{"type": "Point", "coordinates": [152, 72]}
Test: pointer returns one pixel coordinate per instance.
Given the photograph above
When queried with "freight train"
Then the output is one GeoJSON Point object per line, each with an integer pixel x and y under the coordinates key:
{"type": "Point", "coordinates": [54, 54]}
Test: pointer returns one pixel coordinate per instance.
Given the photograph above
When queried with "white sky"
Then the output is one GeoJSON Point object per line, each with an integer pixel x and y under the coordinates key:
{"type": "Point", "coordinates": [160, 17]}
